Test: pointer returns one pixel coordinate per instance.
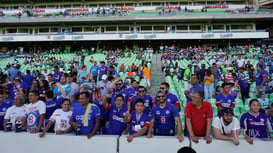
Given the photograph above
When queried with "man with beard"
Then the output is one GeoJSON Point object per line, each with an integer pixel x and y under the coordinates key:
{"type": "Point", "coordinates": [226, 127]}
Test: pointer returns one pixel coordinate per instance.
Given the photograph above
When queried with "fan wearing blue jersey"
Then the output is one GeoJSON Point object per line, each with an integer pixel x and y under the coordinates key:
{"type": "Point", "coordinates": [87, 117]}
{"type": "Point", "coordinates": [225, 99]}
{"type": "Point", "coordinates": [140, 121]}
{"type": "Point", "coordinates": [118, 115]}
{"type": "Point", "coordinates": [147, 99]}
{"type": "Point", "coordinates": [170, 98]}
{"type": "Point", "coordinates": [163, 118]}
{"type": "Point", "coordinates": [116, 88]}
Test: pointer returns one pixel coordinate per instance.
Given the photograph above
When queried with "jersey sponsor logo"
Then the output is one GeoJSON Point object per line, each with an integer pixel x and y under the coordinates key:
{"type": "Point", "coordinates": [32, 108]}
{"type": "Point", "coordinates": [257, 123]}
{"type": "Point", "coordinates": [162, 119]}
{"type": "Point", "coordinates": [157, 112]}
{"type": "Point", "coordinates": [117, 118]}
{"type": "Point", "coordinates": [254, 133]}
{"type": "Point", "coordinates": [262, 120]}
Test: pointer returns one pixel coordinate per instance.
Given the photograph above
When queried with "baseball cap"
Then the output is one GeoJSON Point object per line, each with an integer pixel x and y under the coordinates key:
{"type": "Point", "coordinates": [87, 86]}
{"type": "Point", "coordinates": [226, 111]}
{"type": "Point", "coordinates": [104, 77]}
{"type": "Point", "coordinates": [189, 65]}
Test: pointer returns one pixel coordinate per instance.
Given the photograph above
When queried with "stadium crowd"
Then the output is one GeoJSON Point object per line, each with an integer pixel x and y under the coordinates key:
{"type": "Point", "coordinates": [107, 97]}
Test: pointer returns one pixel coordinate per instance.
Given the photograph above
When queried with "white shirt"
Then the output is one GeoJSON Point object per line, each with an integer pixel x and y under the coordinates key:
{"type": "Point", "coordinates": [15, 113]}
{"type": "Point", "coordinates": [33, 114]}
{"type": "Point", "coordinates": [218, 124]}
{"type": "Point", "coordinates": [61, 119]}
{"type": "Point", "coordinates": [240, 62]}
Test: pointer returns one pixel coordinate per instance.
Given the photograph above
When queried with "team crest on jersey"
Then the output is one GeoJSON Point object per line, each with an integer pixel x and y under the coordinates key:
{"type": "Point", "coordinates": [63, 123]}
{"type": "Point", "coordinates": [115, 117]}
{"type": "Point", "coordinates": [157, 112]}
{"type": "Point", "coordinates": [167, 112]}
{"type": "Point", "coordinates": [78, 117]}
{"type": "Point", "coordinates": [141, 123]}
{"type": "Point", "coordinates": [262, 120]}
{"type": "Point", "coordinates": [168, 100]}
{"type": "Point", "coordinates": [163, 119]}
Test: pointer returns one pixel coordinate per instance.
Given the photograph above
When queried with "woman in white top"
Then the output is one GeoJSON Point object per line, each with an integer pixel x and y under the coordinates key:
{"type": "Point", "coordinates": [61, 119]}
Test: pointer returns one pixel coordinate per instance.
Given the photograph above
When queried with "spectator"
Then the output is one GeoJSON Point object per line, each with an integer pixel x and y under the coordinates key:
{"type": "Point", "coordinates": [57, 74]}
{"type": "Point", "coordinates": [103, 85]}
{"type": "Point", "coordinates": [61, 119]}
{"type": "Point", "coordinates": [255, 124]}
{"type": "Point", "coordinates": [198, 114]}
{"type": "Point", "coordinates": [215, 72]}
{"type": "Point", "coordinates": [118, 115]}
{"type": "Point", "coordinates": [50, 80]}
{"type": "Point", "coordinates": [226, 127]}
{"type": "Point", "coordinates": [202, 73]}
{"type": "Point", "coordinates": [16, 113]}
{"type": "Point", "coordinates": [103, 69]}
{"type": "Point", "coordinates": [244, 87]}
{"type": "Point", "coordinates": [64, 85]}
{"type": "Point", "coordinates": [35, 112]}
{"type": "Point", "coordinates": [82, 75]}
{"type": "Point", "coordinates": [264, 102]}
{"type": "Point", "coordinates": [140, 122]}
{"type": "Point", "coordinates": [14, 72]}
{"type": "Point", "coordinates": [3, 109]}
{"type": "Point", "coordinates": [86, 117]}
{"type": "Point", "coordinates": [208, 82]}
{"type": "Point", "coordinates": [147, 76]}
{"type": "Point", "coordinates": [195, 86]}
{"type": "Point", "coordinates": [43, 88]}
{"type": "Point", "coordinates": [94, 71]}
{"type": "Point", "coordinates": [224, 99]}
{"type": "Point", "coordinates": [164, 121]}
{"type": "Point", "coordinates": [28, 79]}
{"type": "Point", "coordinates": [260, 79]}
{"type": "Point", "coordinates": [170, 98]}
{"type": "Point", "coordinates": [122, 68]}
{"type": "Point", "coordinates": [147, 99]}
{"type": "Point", "coordinates": [131, 92]}
{"type": "Point", "coordinates": [116, 88]}
{"type": "Point", "coordinates": [187, 77]}
{"type": "Point", "coordinates": [74, 86]}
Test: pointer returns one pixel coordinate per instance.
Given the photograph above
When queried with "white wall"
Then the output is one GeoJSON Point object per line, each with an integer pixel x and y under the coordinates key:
{"type": "Point", "coordinates": [31, 143]}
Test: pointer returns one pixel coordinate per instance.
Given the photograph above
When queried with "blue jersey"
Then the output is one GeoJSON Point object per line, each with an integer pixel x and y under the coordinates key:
{"type": "Point", "coordinates": [242, 83]}
{"type": "Point", "coordinates": [75, 105]}
{"type": "Point", "coordinates": [9, 102]}
{"type": "Point", "coordinates": [116, 120]}
{"type": "Point", "coordinates": [164, 119]}
{"type": "Point", "coordinates": [28, 79]}
{"type": "Point", "coordinates": [259, 77]}
{"type": "Point", "coordinates": [3, 109]}
{"type": "Point", "coordinates": [57, 77]}
{"type": "Point", "coordinates": [102, 109]}
{"type": "Point", "coordinates": [94, 70]}
{"type": "Point", "coordinates": [52, 105]}
{"type": "Point", "coordinates": [256, 126]}
{"type": "Point", "coordinates": [116, 92]}
{"type": "Point", "coordinates": [78, 115]}
{"type": "Point", "coordinates": [192, 89]}
{"type": "Point", "coordinates": [137, 123]}
{"type": "Point", "coordinates": [131, 92]}
{"type": "Point", "coordinates": [223, 101]}
{"type": "Point", "coordinates": [148, 103]}
{"type": "Point", "coordinates": [103, 70]}
{"type": "Point", "coordinates": [170, 98]}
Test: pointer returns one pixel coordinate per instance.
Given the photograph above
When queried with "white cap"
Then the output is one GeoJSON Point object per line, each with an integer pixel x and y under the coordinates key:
{"type": "Point", "coordinates": [104, 77]}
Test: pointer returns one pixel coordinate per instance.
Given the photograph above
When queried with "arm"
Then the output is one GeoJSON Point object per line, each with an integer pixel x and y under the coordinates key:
{"type": "Point", "coordinates": [113, 84]}
{"type": "Point", "coordinates": [4, 124]}
{"type": "Point", "coordinates": [104, 103]}
{"type": "Point", "coordinates": [179, 128]}
{"type": "Point", "coordinates": [139, 133]}
{"type": "Point", "coordinates": [149, 134]}
{"type": "Point", "coordinates": [96, 127]}
{"type": "Point", "coordinates": [127, 117]}
{"type": "Point", "coordinates": [208, 129]}
{"type": "Point", "coordinates": [190, 130]}
{"type": "Point", "coordinates": [41, 121]}
{"type": "Point", "coordinates": [49, 124]}
{"type": "Point", "coordinates": [248, 138]}
{"type": "Point", "coordinates": [264, 80]}
{"type": "Point", "coordinates": [61, 90]}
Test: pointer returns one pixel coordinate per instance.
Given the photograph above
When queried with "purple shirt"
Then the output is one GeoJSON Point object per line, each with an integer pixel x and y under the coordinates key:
{"type": "Point", "coordinates": [138, 123]}
{"type": "Point", "coordinates": [103, 70]}
{"type": "Point", "coordinates": [148, 103]}
{"type": "Point", "coordinates": [52, 105]}
{"type": "Point", "coordinates": [223, 101]}
{"type": "Point", "coordinates": [164, 119]}
{"type": "Point", "coordinates": [78, 115]}
{"type": "Point", "coordinates": [3, 109]}
{"type": "Point", "coordinates": [57, 76]}
{"type": "Point", "coordinates": [259, 77]}
{"type": "Point", "coordinates": [116, 120]}
{"type": "Point", "coordinates": [256, 126]}
{"type": "Point", "coordinates": [192, 89]}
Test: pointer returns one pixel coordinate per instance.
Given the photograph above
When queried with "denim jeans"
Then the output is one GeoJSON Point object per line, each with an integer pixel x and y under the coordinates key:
{"type": "Point", "coordinates": [208, 92]}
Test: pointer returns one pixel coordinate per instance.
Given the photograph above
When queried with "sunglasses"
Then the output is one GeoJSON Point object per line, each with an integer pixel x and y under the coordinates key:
{"type": "Point", "coordinates": [141, 91]}
{"type": "Point", "coordinates": [161, 88]}
{"type": "Point", "coordinates": [118, 84]}
{"type": "Point", "coordinates": [160, 96]}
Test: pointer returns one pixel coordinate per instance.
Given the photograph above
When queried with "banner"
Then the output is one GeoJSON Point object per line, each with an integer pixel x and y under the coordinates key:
{"type": "Point", "coordinates": [125, 8]}
{"type": "Point", "coordinates": [211, 35]}
{"type": "Point", "coordinates": [131, 36]}
{"type": "Point", "coordinates": [77, 37]}
{"type": "Point", "coordinates": [216, 6]}
{"type": "Point", "coordinates": [77, 10]}
{"type": "Point", "coordinates": [227, 35]}
{"type": "Point", "coordinates": [7, 38]}
{"type": "Point", "coordinates": [149, 36]}
{"type": "Point", "coordinates": [167, 7]}
{"type": "Point", "coordinates": [58, 37]}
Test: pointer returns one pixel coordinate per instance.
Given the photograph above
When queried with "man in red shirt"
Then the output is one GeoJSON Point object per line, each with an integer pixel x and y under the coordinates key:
{"type": "Point", "coordinates": [198, 114]}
